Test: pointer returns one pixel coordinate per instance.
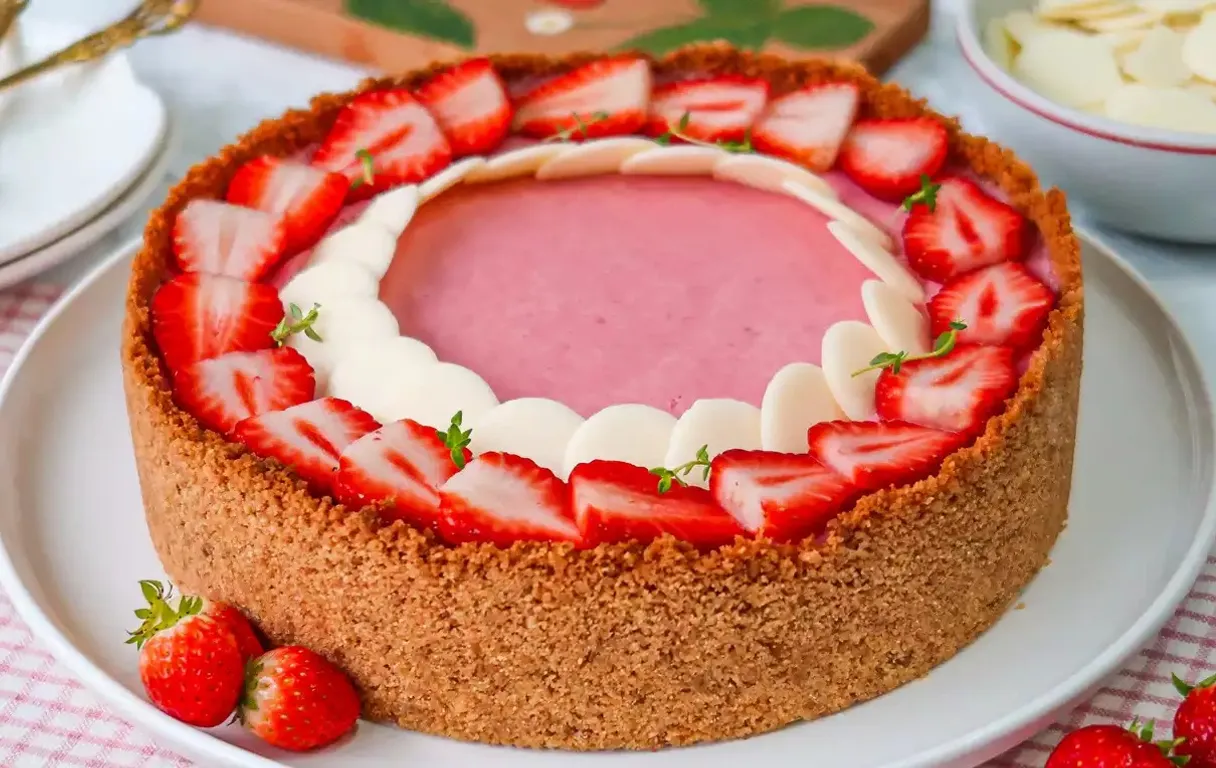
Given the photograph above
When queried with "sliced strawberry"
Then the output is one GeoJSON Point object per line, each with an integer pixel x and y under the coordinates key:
{"type": "Point", "coordinates": [403, 140]}
{"type": "Point", "coordinates": [223, 239]}
{"type": "Point", "coordinates": [808, 126]}
{"type": "Point", "coordinates": [887, 157]}
{"type": "Point", "coordinates": [956, 393]}
{"type": "Point", "coordinates": [1002, 305]}
{"type": "Point", "coordinates": [403, 463]}
{"type": "Point", "coordinates": [967, 229]}
{"type": "Point", "coordinates": [307, 438]}
{"type": "Point", "coordinates": [502, 498]}
{"type": "Point", "coordinates": [780, 496]}
{"type": "Point", "coordinates": [308, 198]}
{"type": "Point", "coordinates": [607, 97]}
{"type": "Point", "coordinates": [470, 103]}
{"type": "Point", "coordinates": [875, 454]}
{"type": "Point", "coordinates": [614, 501]}
{"type": "Point", "coordinates": [719, 108]}
{"type": "Point", "coordinates": [198, 316]}
{"type": "Point", "coordinates": [224, 390]}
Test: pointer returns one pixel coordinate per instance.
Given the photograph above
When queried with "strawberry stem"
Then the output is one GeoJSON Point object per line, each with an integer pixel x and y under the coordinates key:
{"type": "Point", "coordinates": [680, 132]}
{"type": "Point", "coordinates": [926, 195]}
{"type": "Point", "coordinates": [295, 321]}
{"type": "Point", "coordinates": [895, 360]}
{"type": "Point", "coordinates": [456, 440]}
{"type": "Point", "coordinates": [677, 474]}
{"type": "Point", "coordinates": [580, 126]}
{"type": "Point", "coordinates": [160, 615]}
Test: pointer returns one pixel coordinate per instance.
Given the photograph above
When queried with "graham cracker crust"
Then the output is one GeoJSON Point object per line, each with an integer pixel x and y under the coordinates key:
{"type": "Point", "coordinates": [623, 646]}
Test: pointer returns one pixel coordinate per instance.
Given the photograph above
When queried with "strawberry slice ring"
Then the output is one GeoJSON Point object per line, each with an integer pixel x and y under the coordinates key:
{"type": "Point", "coordinates": [698, 126]}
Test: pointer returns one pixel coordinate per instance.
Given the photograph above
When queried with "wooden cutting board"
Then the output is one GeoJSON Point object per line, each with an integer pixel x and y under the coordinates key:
{"type": "Point", "coordinates": [396, 35]}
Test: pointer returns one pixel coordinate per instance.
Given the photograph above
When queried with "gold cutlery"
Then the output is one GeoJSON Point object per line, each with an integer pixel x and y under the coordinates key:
{"type": "Point", "coordinates": [152, 17]}
{"type": "Point", "coordinates": [9, 11]}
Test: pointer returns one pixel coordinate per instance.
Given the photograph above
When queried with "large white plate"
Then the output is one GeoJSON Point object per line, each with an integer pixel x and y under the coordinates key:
{"type": "Point", "coordinates": [133, 200]}
{"type": "Point", "coordinates": [74, 544]}
{"type": "Point", "coordinates": [71, 142]}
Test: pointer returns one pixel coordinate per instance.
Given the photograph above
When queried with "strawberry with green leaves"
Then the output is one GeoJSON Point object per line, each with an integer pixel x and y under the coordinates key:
{"type": "Point", "coordinates": [296, 700]}
{"type": "Point", "coordinates": [1113, 746]}
{"type": "Point", "coordinates": [190, 663]}
{"type": "Point", "coordinates": [1195, 721]}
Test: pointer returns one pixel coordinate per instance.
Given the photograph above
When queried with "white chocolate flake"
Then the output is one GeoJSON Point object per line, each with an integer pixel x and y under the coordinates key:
{"type": "Point", "coordinates": [679, 160]}
{"type": "Point", "coordinates": [719, 424]}
{"type": "Point", "coordinates": [767, 173]}
{"type": "Point", "coordinates": [321, 283]}
{"type": "Point", "coordinates": [367, 244]}
{"type": "Point", "coordinates": [533, 427]}
{"type": "Point", "coordinates": [593, 158]}
{"type": "Point", "coordinates": [339, 322]}
{"type": "Point", "coordinates": [519, 162]}
{"type": "Point", "coordinates": [834, 209]}
{"type": "Point", "coordinates": [849, 346]}
{"type": "Point", "coordinates": [449, 177]}
{"type": "Point", "coordinates": [900, 324]}
{"type": "Point", "coordinates": [379, 376]}
{"type": "Point", "coordinates": [796, 398]}
{"type": "Point", "coordinates": [637, 434]}
{"type": "Point", "coordinates": [391, 210]}
{"type": "Point", "coordinates": [879, 261]}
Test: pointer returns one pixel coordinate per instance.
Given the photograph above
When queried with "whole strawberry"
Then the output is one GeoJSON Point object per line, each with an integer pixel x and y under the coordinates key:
{"type": "Point", "coordinates": [246, 639]}
{"type": "Point", "coordinates": [1113, 746]}
{"type": "Point", "coordinates": [190, 664]}
{"type": "Point", "coordinates": [1195, 721]}
{"type": "Point", "coordinates": [295, 699]}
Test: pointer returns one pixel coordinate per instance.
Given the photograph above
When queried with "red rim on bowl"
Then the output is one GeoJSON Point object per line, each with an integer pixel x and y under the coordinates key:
{"type": "Point", "coordinates": [1009, 89]}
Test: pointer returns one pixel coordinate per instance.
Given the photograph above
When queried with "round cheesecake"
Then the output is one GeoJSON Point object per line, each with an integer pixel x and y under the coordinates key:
{"type": "Point", "coordinates": [650, 335]}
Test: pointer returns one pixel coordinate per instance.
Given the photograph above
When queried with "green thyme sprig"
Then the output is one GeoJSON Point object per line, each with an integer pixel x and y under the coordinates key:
{"type": "Point", "coordinates": [367, 169]}
{"type": "Point", "coordinates": [455, 439]}
{"type": "Point", "coordinates": [579, 128]}
{"type": "Point", "coordinates": [926, 195]}
{"type": "Point", "coordinates": [680, 131]}
{"type": "Point", "coordinates": [295, 321]}
{"type": "Point", "coordinates": [676, 475]}
{"type": "Point", "coordinates": [943, 346]}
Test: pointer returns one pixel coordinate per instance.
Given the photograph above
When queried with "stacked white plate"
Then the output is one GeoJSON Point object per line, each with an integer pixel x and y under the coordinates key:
{"type": "Point", "coordinates": [81, 151]}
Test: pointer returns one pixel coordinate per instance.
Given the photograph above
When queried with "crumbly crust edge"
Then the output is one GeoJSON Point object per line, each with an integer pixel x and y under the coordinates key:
{"type": "Point", "coordinates": [204, 495]}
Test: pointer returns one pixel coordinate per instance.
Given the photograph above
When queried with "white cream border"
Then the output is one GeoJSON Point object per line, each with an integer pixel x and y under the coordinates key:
{"type": "Point", "coordinates": [402, 383]}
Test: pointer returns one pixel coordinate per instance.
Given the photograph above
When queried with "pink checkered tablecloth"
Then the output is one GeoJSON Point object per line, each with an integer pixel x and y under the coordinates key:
{"type": "Point", "coordinates": [48, 719]}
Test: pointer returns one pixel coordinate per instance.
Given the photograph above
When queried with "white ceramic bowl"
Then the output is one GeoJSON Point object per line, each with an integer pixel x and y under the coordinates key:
{"type": "Point", "coordinates": [1143, 180]}
{"type": "Point", "coordinates": [12, 57]}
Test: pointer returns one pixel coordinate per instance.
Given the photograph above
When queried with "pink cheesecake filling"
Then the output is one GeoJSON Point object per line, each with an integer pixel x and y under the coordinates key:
{"type": "Point", "coordinates": [620, 289]}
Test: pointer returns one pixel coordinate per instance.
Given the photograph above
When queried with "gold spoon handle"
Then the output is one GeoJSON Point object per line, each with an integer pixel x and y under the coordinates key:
{"type": "Point", "coordinates": [9, 11]}
{"type": "Point", "coordinates": [152, 17]}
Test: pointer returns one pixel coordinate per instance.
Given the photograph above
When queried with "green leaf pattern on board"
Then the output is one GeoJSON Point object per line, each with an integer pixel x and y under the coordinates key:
{"type": "Point", "coordinates": [749, 24]}
{"type": "Point", "coordinates": [821, 27]}
{"type": "Point", "coordinates": [435, 19]}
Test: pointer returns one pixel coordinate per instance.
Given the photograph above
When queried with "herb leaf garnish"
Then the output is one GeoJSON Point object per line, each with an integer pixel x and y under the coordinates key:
{"type": "Point", "coordinates": [367, 169]}
{"type": "Point", "coordinates": [680, 131]}
{"type": "Point", "coordinates": [455, 439]}
{"type": "Point", "coordinates": [579, 128]}
{"type": "Point", "coordinates": [926, 195]}
{"type": "Point", "coordinates": [295, 321]}
{"type": "Point", "coordinates": [677, 474]}
{"type": "Point", "coordinates": [943, 346]}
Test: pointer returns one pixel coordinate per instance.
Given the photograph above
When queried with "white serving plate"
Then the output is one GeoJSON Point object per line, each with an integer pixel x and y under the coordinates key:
{"type": "Point", "coordinates": [73, 544]}
{"type": "Point", "coordinates": [132, 201]}
{"type": "Point", "coordinates": [71, 142]}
